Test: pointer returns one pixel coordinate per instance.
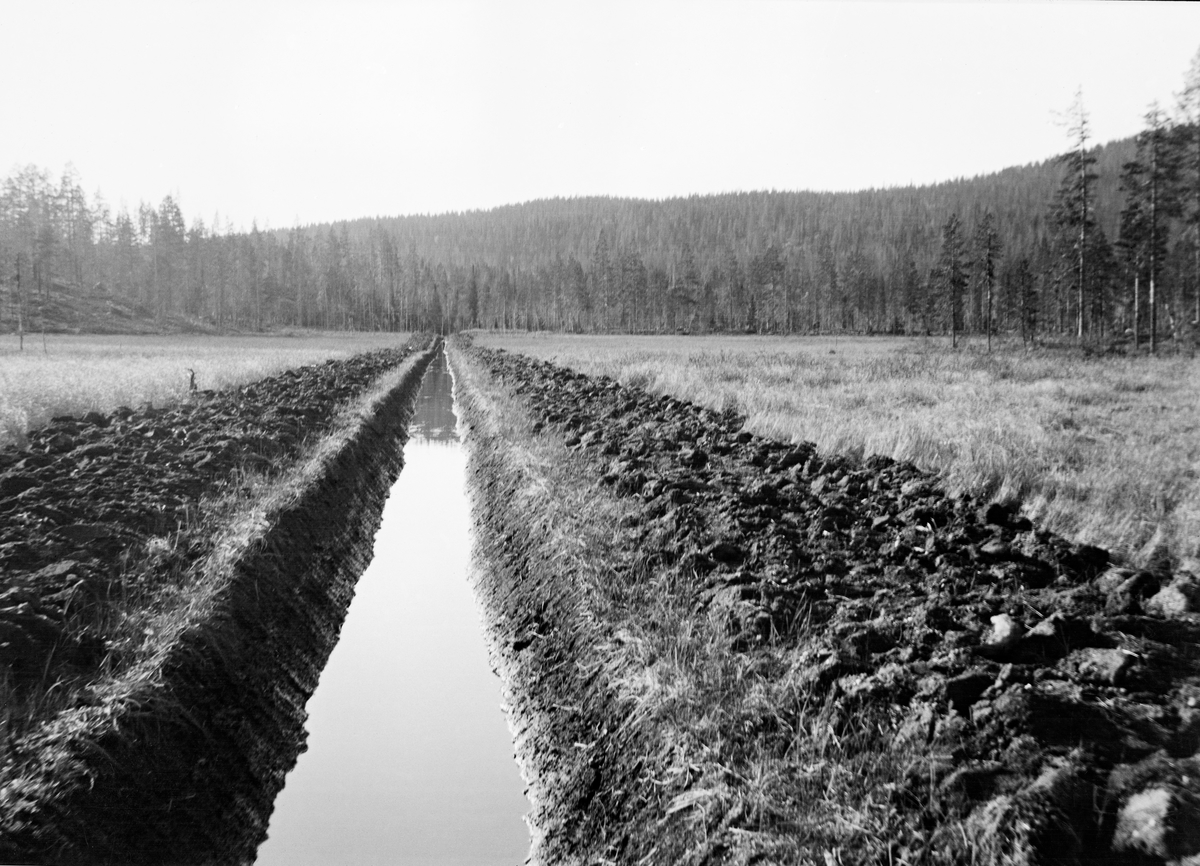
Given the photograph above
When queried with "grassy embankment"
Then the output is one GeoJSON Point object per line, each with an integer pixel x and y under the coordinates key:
{"type": "Point", "coordinates": [544, 563]}
{"type": "Point", "coordinates": [79, 374]}
{"type": "Point", "coordinates": [644, 734]}
{"type": "Point", "coordinates": [1101, 450]}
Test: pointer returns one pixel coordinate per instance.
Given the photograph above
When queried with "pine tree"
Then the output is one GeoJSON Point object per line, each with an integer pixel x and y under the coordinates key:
{"type": "Point", "coordinates": [1189, 131]}
{"type": "Point", "coordinates": [1024, 296]}
{"type": "Point", "coordinates": [987, 257]}
{"type": "Point", "coordinates": [687, 286]}
{"type": "Point", "coordinates": [601, 279]}
{"type": "Point", "coordinates": [472, 300]}
{"type": "Point", "coordinates": [951, 271]}
{"type": "Point", "coordinates": [1133, 245]}
{"type": "Point", "coordinates": [912, 293]}
{"type": "Point", "coordinates": [1151, 182]}
{"type": "Point", "coordinates": [168, 237]}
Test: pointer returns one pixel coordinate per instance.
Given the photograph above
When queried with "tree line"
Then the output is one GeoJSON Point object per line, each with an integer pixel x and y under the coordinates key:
{"type": "Point", "coordinates": [1101, 242]}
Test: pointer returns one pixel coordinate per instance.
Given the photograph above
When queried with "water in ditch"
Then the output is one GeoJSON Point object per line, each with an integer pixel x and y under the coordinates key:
{"type": "Point", "coordinates": [409, 759]}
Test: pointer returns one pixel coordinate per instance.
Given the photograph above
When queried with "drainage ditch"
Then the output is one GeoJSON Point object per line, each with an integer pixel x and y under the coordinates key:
{"type": "Point", "coordinates": [409, 759]}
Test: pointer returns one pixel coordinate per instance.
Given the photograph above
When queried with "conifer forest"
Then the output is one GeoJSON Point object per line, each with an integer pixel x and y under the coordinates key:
{"type": "Point", "coordinates": [1099, 244]}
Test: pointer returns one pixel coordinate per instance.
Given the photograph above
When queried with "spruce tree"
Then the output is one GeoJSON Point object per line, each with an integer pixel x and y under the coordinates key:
{"type": "Point", "coordinates": [952, 274]}
{"type": "Point", "coordinates": [1072, 212]}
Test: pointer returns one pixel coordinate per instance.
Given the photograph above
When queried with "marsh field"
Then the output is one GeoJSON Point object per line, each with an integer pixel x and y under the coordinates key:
{"type": "Point", "coordinates": [720, 621]}
{"type": "Point", "coordinates": [1103, 450]}
{"type": "Point", "coordinates": [74, 374]}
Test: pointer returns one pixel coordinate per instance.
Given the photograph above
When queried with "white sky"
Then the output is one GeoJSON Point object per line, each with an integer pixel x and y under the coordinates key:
{"type": "Point", "coordinates": [315, 111]}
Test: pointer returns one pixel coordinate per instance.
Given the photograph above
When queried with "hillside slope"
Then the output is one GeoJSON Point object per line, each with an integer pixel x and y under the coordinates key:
{"type": "Point", "coordinates": [65, 309]}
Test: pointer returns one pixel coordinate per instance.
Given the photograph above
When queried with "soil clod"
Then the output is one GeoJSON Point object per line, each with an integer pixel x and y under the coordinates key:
{"type": "Point", "coordinates": [1016, 671]}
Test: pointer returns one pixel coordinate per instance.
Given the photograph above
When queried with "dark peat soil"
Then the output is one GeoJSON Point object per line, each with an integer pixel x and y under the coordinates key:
{"type": "Point", "coordinates": [1048, 697]}
{"type": "Point", "coordinates": [83, 504]}
{"type": "Point", "coordinates": [128, 747]}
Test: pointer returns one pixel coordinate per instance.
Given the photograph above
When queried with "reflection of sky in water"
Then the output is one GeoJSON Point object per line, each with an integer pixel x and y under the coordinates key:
{"type": "Point", "coordinates": [434, 419]}
{"type": "Point", "coordinates": [409, 758]}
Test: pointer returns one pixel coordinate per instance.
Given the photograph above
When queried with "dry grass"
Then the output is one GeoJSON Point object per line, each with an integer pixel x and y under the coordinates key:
{"type": "Point", "coordinates": [1102, 450]}
{"type": "Point", "coordinates": [746, 737]}
{"type": "Point", "coordinates": [79, 374]}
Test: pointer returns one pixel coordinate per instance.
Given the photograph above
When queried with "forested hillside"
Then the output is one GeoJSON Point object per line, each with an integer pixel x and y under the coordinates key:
{"type": "Point", "coordinates": [1057, 247]}
{"type": "Point", "coordinates": [759, 261]}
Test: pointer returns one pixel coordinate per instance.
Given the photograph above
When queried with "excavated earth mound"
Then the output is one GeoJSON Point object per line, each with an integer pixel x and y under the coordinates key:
{"type": "Point", "coordinates": [233, 527]}
{"type": "Point", "coordinates": [1047, 699]}
{"type": "Point", "coordinates": [87, 496]}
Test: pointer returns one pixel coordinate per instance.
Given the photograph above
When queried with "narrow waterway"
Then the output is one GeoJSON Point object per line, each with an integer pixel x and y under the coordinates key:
{"type": "Point", "coordinates": [409, 759]}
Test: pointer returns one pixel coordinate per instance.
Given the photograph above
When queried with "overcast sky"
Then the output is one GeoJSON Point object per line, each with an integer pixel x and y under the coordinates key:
{"type": "Point", "coordinates": [311, 111]}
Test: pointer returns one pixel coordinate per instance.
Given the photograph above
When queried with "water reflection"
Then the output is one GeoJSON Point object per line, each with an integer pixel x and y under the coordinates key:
{"type": "Point", "coordinates": [409, 759]}
{"type": "Point", "coordinates": [434, 419]}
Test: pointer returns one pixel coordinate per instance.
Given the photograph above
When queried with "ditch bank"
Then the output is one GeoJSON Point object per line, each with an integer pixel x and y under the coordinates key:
{"type": "Point", "coordinates": [726, 649]}
{"type": "Point", "coordinates": [187, 608]}
{"type": "Point", "coordinates": [540, 548]}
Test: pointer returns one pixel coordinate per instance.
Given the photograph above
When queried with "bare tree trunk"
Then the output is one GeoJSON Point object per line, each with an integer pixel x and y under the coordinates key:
{"type": "Point", "coordinates": [1153, 245]}
{"type": "Point", "coordinates": [20, 307]}
{"type": "Point", "coordinates": [988, 318]}
{"type": "Point", "coordinates": [1081, 133]}
{"type": "Point", "coordinates": [1137, 319]}
{"type": "Point", "coordinates": [1153, 311]}
{"type": "Point", "coordinates": [1153, 238]}
{"type": "Point", "coordinates": [1082, 240]}
{"type": "Point", "coordinates": [1193, 327]}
